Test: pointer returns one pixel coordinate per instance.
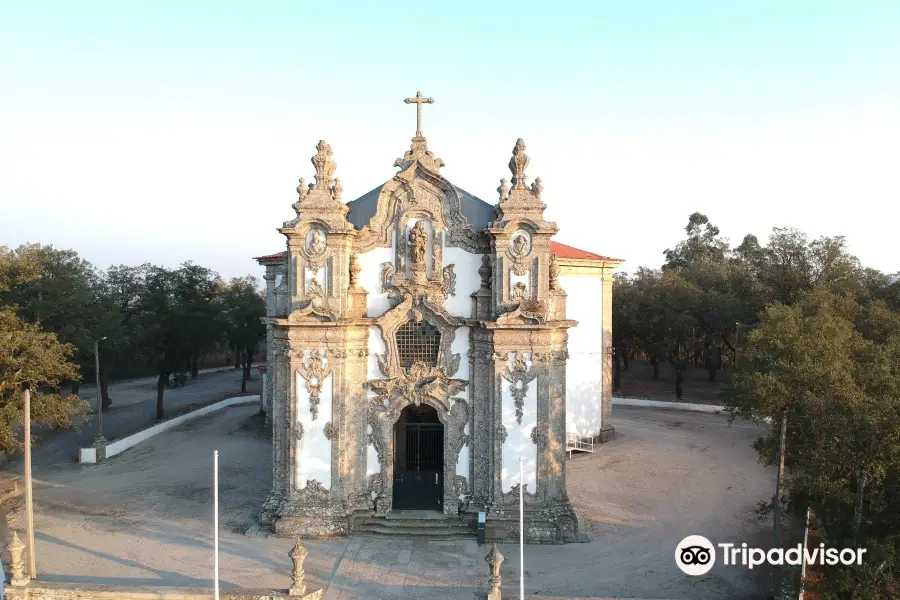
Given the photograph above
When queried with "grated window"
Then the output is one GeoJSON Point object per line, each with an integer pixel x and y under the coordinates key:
{"type": "Point", "coordinates": [418, 342]}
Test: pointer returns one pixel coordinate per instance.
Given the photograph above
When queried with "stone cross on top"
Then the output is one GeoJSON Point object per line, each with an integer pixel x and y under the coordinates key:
{"type": "Point", "coordinates": [419, 101]}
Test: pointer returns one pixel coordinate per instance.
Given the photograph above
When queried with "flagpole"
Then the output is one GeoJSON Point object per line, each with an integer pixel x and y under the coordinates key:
{"type": "Point", "coordinates": [216, 519]}
{"type": "Point", "coordinates": [521, 531]}
{"type": "Point", "coordinates": [29, 497]}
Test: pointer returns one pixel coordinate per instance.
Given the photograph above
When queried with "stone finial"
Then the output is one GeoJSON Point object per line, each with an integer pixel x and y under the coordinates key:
{"type": "Point", "coordinates": [503, 190]}
{"type": "Point", "coordinates": [337, 189]}
{"type": "Point", "coordinates": [554, 273]}
{"type": "Point", "coordinates": [298, 554]}
{"type": "Point", "coordinates": [355, 269]}
{"type": "Point", "coordinates": [494, 559]}
{"type": "Point", "coordinates": [518, 163]}
{"type": "Point", "coordinates": [537, 187]}
{"type": "Point", "coordinates": [324, 166]}
{"type": "Point", "coordinates": [17, 566]}
{"type": "Point", "coordinates": [302, 189]}
{"type": "Point", "coordinates": [485, 271]}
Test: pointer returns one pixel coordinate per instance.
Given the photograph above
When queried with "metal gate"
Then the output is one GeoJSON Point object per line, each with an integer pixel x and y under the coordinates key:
{"type": "Point", "coordinates": [419, 471]}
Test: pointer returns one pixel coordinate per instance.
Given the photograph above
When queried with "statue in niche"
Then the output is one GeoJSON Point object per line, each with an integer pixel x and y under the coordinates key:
{"type": "Point", "coordinates": [418, 242]}
{"type": "Point", "coordinates": [316, 243]}
{"type": "Point", "coordinates": [520, 245]}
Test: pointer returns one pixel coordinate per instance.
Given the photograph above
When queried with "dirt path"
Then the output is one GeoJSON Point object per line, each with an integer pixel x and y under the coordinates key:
{"type": "Point", "coordinates": [144, 517]}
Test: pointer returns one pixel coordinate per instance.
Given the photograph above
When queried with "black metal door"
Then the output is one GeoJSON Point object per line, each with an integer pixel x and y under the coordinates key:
{"type": "Point", "coordinates": [419, 476]}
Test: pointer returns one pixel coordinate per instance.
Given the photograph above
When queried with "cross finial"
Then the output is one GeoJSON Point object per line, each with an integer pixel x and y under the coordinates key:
{"type": "Point", "coordinates": [419, 101]}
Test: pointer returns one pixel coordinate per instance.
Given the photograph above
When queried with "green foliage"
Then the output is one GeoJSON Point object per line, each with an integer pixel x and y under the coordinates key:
{"type": "Point", "coordinates": [29, 355]}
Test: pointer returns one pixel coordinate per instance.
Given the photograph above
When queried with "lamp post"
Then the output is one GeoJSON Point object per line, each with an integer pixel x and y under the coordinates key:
{"type": "Point", "coordinates": [100, 439]}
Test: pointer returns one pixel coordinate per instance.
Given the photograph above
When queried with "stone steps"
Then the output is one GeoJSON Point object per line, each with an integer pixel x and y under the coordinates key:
{"type": "Point", "coordinates": [437, 527]}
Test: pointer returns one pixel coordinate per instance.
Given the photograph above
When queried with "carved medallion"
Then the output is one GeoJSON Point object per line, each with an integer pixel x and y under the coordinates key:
{"type": "Point", "coordinates": [520, 243]}
{"type": "Point", "coordinates": [315, 242]}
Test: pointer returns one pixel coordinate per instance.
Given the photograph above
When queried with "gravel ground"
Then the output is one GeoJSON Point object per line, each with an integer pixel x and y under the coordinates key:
{"type": "Point", "coordinates": [145, 516]}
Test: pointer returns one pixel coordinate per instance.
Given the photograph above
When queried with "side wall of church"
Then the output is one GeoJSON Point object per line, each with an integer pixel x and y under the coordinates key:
{"type": "Point", "coordinates": [584, 370]}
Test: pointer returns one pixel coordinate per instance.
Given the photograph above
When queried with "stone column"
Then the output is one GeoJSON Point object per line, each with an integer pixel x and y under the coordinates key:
{"type": "Point", "coordinates": [607, 432]}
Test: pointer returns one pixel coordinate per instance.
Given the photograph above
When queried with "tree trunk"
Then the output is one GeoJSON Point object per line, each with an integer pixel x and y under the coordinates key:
{"type": "Point", "coordinates": [75, 387]}
{"type": "Point", "coordinates": [625, 358]}
{"type": "Point", "coordinates": [655, 362]}
{"type": "Point", "coordinates": [237, 358]}
{"type": "Point", "coordinates": [679, 383]}
{"type": "Point", "coordinates": [861, 480]}
{"type": "Point", "coordinates": [245, 375]}
{"type": "Point", "coordinates": [195, 370]}
{"type": "Point", "coordinates": [709, 352]}
{"type": "Point", "coordinates": [617, 376]}
{"type": "Point", "coordinates": [104, 389]}
{"type": "Point", "coordinates": [160, 393]}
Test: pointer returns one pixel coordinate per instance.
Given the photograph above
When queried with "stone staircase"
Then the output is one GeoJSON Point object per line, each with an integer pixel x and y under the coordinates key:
{"type": "Point", "coordinates": [416, 524]}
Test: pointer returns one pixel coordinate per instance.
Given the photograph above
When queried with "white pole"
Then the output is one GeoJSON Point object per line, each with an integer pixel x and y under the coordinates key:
{"type": "Point", "coordinates": [216, 519]}
{"type": "Point", "coordinates": [521, 531]}
{"type": "Point", "coordinates": [803, 558]}
{"type": "Point", "coordinates": [29, 498]}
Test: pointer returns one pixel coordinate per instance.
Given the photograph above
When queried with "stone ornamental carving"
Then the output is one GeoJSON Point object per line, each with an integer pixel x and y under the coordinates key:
{"type": "Point", "coordinates": [325, 167]}
{"type": "Point", "coordinates": [314, 372]}
{"type": "Point", "coordinates": [316, 245]}
{"type": "Point", "coordinates": [519, 375]}
{"type": "Point", "coordinates": [503, 190]}
{"type": "Point", "coordinates": [298, 555]}
{"type": "Point", "coordinates": [393, 354]}
{"type": "Point", "coordinates": [494, 560]}
{"type": "Point", "coordinates": [416, 385]}
{"type": "Point", "coordinates": [554, 273]}
{"type": "Point", "coordinates": [520, 244]}
{"type": "Point", "coordinates": [355, 269]}
{"type": "Point", "coordinates": [17, 566]}
{"type": "Point", "coordinates": [518, 163]}
{"type": "Point", "coordinates": [418, 241]}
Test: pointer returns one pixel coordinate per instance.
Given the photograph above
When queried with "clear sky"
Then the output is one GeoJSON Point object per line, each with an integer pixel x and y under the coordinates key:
{"type": "Point", "coordinates": [172, 131]}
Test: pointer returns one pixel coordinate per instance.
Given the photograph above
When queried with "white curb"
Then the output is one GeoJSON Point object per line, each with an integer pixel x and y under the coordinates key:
{"type": "Point", "coordinates": [89, 455]}
{"type": "Point", "coordinates": [691, 406]}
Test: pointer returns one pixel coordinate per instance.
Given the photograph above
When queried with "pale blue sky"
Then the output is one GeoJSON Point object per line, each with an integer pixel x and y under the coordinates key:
{"type": "Point", "coordinates": [168, 131]}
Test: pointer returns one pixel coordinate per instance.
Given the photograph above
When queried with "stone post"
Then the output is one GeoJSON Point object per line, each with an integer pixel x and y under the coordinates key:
{"type": "Point", "coordinates": [17, 566]}
{"type": "Point", "coordinates": [494, 559]}
{"type": "Point", "coordinates": [298, 554]}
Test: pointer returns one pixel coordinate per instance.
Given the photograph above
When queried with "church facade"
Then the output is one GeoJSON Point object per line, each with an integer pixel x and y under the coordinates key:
{"type": "Point", "coordinates": [419, 344]}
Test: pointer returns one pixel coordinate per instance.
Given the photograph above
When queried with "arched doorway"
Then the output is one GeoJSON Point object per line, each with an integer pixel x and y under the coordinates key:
{"type": "Point", "coordinates": [418, 460]}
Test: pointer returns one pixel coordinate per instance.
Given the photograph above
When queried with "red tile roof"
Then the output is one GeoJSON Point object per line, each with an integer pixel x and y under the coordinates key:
{"type": "Point", "coordinates": [560, 250]}
{"type": "Point", "coordinates": [563, 251]}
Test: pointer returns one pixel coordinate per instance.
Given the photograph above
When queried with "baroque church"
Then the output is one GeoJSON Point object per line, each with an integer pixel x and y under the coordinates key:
{"type": "Point", "coordinates": [420, 341]}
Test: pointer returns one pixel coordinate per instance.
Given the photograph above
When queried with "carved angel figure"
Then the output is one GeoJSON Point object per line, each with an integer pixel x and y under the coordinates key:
{"type": "Point", "coordinates": [418, 242]}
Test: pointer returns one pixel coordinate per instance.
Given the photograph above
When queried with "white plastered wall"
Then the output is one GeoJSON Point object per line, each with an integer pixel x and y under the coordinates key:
{"type": "Point", "coordinates": [518, 436]}
{"type": "Point", "coordinates": [313, 450]}
{"type": "Point", "coordinates": [584, 370]}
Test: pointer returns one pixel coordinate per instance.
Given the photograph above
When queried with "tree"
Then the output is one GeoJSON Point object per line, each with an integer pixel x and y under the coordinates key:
{"type": "Point", "coordinates": [832, 365]}
{"type": "Point", "coordinates": [702, 244]}
{"type": "Point", "coordinates": [197, 289]}
{"type": "Point", "coordinates": [161, 332]}
{"type": "Point", "coordinates": [243, 308]}
{"type": "Point", "coordinates": [29, 355]}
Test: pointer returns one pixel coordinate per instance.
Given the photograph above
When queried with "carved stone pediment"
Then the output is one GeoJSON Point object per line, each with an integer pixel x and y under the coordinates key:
{"type": "Point", "coordinates": [526, 312]}
{"type": "Point", "coordinates": [315, 310]}
{"type": "Point", "coordinates": [418, 188]}
{"type": "Point", "coordinates": [416, 385]}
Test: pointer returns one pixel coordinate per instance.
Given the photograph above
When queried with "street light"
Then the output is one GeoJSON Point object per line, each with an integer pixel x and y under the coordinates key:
{"type": "Point", "coordinates": [100, 441]}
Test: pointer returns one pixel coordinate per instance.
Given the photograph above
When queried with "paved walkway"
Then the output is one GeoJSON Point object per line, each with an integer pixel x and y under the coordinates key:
{"type": "Point", "coordinates": [395, 569]}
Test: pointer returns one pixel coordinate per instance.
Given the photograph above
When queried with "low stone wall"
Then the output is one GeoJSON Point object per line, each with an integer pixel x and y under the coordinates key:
{"type": "Point", "coordinates": [50, 590]}
{"type": "Point", "coordinates": [691, 406]}
{"type": "Point", "coordinates": [89, 455]}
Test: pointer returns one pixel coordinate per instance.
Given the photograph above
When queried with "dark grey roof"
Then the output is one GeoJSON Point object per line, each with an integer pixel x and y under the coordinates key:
{"type": "Point", "coordinates": [478, 212]}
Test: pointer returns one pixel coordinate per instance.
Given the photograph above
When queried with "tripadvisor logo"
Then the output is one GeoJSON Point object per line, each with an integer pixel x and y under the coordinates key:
{"type": "Point", "coordinates": [696, 555]}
